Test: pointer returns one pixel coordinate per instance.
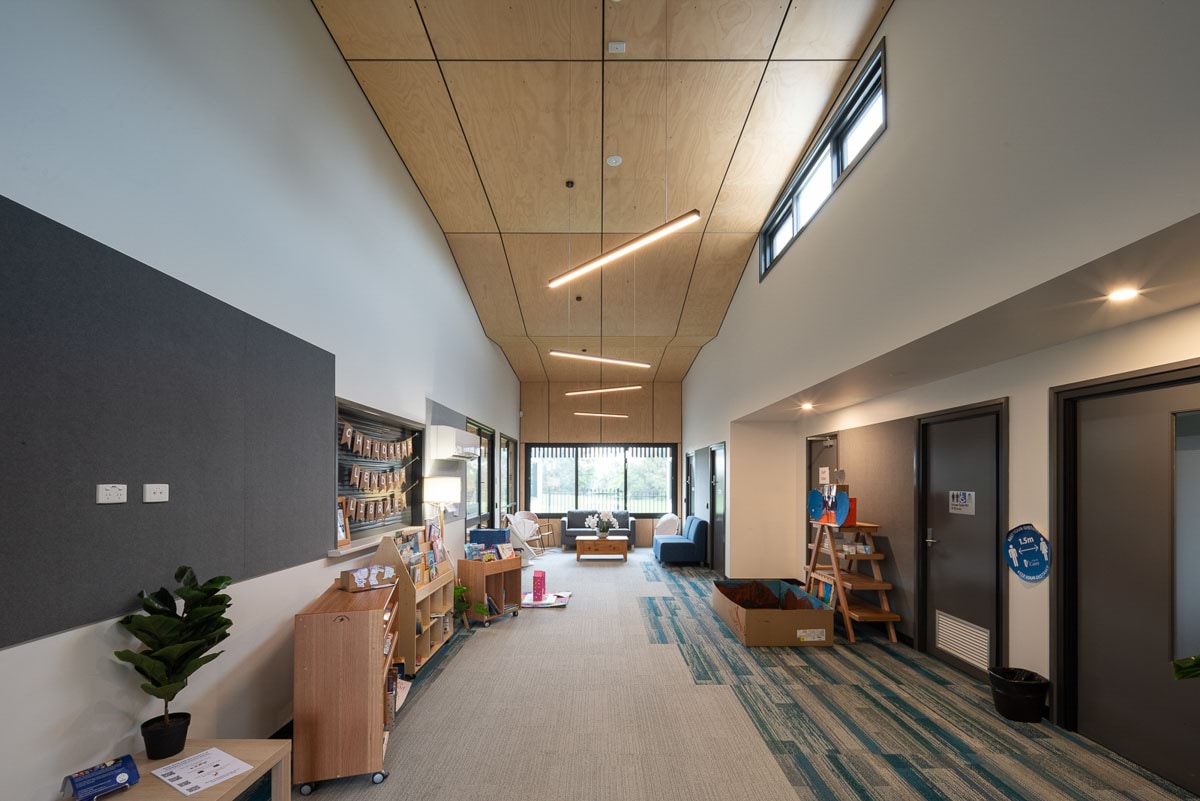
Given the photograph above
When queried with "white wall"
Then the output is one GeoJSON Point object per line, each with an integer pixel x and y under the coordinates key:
{"type": "Point", "coordinates": [1026, 382]}
{"type": "Point", "coordinates": [227, 145]}
{"type": "Point", "coordinates": [1024, 139]}
{"type": "Point", "coordinates": [764, 534]}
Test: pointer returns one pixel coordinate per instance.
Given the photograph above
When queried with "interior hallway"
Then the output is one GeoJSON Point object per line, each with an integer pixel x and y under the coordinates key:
{"type": "Point", "coordinates": [637, 691]}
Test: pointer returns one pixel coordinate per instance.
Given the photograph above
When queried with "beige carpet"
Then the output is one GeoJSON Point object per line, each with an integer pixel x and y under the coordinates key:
{"type": "Point", "coordinates": [574, 703]}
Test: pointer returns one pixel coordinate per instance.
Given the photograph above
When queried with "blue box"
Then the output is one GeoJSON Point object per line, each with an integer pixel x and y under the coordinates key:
{"type": "Point", "coordinates": [488, 536]}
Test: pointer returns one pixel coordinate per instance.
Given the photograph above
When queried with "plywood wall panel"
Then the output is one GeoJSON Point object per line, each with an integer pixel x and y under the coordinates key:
{"type": "Point", "coordinates": [668, 412]}
{"type": "Point", "coordinates": [564, 426]}
{"type": "Point", "coordinates": [639, 426]}
{"type": "Point", "coordinates": [411, 101]}
{"type": "Point", "coordinates": [535, 411]}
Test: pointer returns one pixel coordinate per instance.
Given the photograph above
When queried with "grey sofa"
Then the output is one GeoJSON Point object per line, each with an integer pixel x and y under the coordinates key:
{"type": "Point", "coordinates": [572, 526]}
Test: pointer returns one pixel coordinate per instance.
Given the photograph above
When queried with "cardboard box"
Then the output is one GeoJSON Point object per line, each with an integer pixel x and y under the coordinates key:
{"type": "Point", "coordinates": [757, 613]}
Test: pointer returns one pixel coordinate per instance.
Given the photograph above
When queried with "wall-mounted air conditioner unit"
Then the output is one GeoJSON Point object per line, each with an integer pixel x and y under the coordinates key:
{"type": "Point", "coordinates": [448, 442]}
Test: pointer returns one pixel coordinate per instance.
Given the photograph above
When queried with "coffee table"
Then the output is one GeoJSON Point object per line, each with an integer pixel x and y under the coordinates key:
{"type": "Point", "coordinates": [612, 545]}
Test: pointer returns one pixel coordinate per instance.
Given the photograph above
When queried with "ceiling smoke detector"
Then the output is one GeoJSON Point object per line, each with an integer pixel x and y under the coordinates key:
{"type": "Point", "coordinates": [614, 160]}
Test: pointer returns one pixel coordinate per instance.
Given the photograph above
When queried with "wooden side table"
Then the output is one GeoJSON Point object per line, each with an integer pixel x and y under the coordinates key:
{"type": "Point", "coordinates": [612, 545]}
{"type": "Point", "coordinates": [263, 755]}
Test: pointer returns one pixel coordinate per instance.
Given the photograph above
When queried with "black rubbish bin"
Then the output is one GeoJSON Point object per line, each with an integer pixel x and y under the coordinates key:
{"type": "Point", "coordinates": [1019, 694]}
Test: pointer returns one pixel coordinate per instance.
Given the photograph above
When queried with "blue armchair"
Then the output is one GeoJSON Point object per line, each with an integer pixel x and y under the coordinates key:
{"type": "Point", "coordinates": [690, 546]}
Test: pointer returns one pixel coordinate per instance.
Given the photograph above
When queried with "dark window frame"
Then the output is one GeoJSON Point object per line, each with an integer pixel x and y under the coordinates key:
{"type": "Point", "coordinates": [871, 81]}
{"type": "Point", "coordinates": [487, 436]}
{"type": "Point", "coordinates": [625, 447]}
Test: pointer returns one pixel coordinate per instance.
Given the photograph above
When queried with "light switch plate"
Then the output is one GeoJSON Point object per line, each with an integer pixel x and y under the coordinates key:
{"type": "Point", "coordinates": [156, 493]}
{"type": "Point", "coordinates": [111, 493]}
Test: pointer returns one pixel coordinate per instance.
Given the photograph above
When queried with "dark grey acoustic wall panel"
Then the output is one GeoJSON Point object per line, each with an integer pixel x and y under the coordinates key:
{"type": "Point", "coordinates": [112, 372]}
{"type": "Point", "coordinates": [879, 461]}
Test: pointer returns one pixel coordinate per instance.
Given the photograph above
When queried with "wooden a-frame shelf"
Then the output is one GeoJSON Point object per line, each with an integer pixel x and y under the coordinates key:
{"type": "Point", "coordinates": [841, 575]}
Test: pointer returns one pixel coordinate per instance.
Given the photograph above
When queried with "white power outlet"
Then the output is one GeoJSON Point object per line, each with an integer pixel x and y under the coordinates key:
{"type": "Point", "coordinates": [156, 493]}
{"type": "Point", "coordinates": [111, 493]}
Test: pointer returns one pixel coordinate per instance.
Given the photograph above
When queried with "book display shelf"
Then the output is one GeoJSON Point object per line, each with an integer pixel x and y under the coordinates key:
{"type": "Point", "coordinates": [353, 650]}
{"type": "Point", "coordinates": [495, 584]}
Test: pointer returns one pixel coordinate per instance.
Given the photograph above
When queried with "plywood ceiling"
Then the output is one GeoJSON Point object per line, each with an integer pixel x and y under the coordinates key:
{"type": "Point", "coordinates": [495, 106]}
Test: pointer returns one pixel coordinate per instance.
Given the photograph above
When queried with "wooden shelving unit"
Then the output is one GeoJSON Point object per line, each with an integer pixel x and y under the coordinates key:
{"type": "Point", "coordinates": [347, 644]}
{"type": "Point", "coordinates": [500, 580]}
{"type": "Point", "coordinates": [841, 574]}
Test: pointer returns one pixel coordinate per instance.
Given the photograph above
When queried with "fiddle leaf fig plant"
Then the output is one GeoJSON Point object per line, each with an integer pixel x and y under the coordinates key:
{"type": "Point", "coordinates": [1187, 668]}
{"type": "Point", "coordinates": [177, 641]}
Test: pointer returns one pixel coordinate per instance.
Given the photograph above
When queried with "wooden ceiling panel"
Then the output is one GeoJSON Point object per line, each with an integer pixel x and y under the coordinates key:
{"type": "Point", "coordinates": [635, 128]}
{"type": "Point", "coordinates": [534, 260]}
{"type": "Point", "coordinates": [719, 268]}
{"type": "Point", "coordinates": [532, 126]}
{"type": "Point", "coordinates": [668, 408]}
{"type": "Point", "coordinates": [707, 104]}
{"type": "Point", "coordinates": [523, 355]}
{"type": "Point", "coordinates": [689, 29]}
{"type": "Point", "coordinates": [791, 102]}
{"type": "Point", "coordinates": [644, 291]}
{"type": "Point", "coordinates": [722, 29]}
{"type": "Point", "coordinates": [676, 362]}
{"type": "Point", "coordinates": [675, 125]}
{"type": "Point", "coordinates": [484, 270]}
{"type": "Point", "coordinates": [829, 29]}
{"type": "Point", "coordinates": [524, 29]}
{"type": "Point", "coordinates": [411, 101]}
{"type": "Point", "coordinates": [376, 28]}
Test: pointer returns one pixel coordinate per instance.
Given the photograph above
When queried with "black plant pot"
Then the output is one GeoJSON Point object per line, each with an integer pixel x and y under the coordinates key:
{"type": "Point", "coordinates": [165, 739]}
{"type": "Point", "coordinates": [1019, 695]}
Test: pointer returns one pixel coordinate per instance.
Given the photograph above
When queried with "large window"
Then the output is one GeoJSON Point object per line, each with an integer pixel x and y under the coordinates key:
{"type": "Point", "coordinates": [480, 478]}
{"type": "Point", "coordinates": [854, 127]}
{"type": "Point", "coordinates": [635, 478]}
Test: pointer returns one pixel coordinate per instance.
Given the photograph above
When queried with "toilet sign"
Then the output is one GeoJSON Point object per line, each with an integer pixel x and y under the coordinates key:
{"type": "Point", "coordinates": [1027, 553]}
{"type": "Point", "coordinates": [962, 502]}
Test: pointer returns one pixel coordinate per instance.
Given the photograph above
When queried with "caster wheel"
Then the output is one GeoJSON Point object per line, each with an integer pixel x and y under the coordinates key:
{"type": "Point", "coordinates": [307, 789]}
{"type": "Point", "coordinates": [516, 613]}
{"type": "Point", "coordinates": [487, 624]}
{"type": "Point", "coordinates": [377, 778]}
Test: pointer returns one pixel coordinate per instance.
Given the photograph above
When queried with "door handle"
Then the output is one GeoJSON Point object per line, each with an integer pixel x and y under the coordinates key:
{"type": "Point", "coordinates": [929, 540]}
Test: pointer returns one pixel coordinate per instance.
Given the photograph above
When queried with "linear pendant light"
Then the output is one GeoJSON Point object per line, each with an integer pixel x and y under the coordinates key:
{"type": "Point", "coordinates": [653, 235]}
{"type": "Point", "coordinates": [587, 357]}
{"type": "Point", "coordinates": [601, 414]}
{"type": "Point", "coordinates": [601, 391]}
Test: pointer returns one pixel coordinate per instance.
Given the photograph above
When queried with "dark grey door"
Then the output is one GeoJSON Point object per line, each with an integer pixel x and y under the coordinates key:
{"type": "Point", "coordinates": [822, 452]}
{"type": "Point", "coordinates": [962, 540]}
{"type": "Point", "coordinates": [702, 477]}
{"type": "Point", "coordinates": [689, 483]}
{"type": "Point", "coordinates": [717, 526]}
{"type": "Point", "coordinates": [1131, 560]}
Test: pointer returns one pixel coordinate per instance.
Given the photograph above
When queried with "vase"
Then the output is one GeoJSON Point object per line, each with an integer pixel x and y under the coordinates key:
{"type": "Point", "coordinates": [602, 533]}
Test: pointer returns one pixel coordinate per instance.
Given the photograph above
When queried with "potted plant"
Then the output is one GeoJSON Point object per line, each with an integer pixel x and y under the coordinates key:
{"type": "Point", "coordinates": [602, 522]}
{"type": "Point", "coordinates": [176, 643]}
{"type": "Point", "coordinates": [462, 605]}
{"type": "Point", "coordinates": [1187, 668]}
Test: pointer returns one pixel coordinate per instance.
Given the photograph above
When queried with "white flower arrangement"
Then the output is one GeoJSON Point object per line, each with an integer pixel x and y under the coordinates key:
{"type": "Point", "coordinates": [601, 521]}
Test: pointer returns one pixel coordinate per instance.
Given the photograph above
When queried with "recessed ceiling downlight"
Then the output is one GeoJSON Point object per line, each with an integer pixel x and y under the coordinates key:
{"type": "Point", "coordinates": [806, 407]}
{"type": "Point", "coordinates": [1124, 293]}
{"type": "Point", "coordinates": [614, 160]}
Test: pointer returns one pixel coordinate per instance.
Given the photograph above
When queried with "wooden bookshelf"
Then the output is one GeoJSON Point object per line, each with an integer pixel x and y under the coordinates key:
{"type": "Point", "coordinates": [500, 580]}
{"type": "Point", "coordinates": [347, 646]}
{"type": "Point", "coordinates": [842, 576]}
